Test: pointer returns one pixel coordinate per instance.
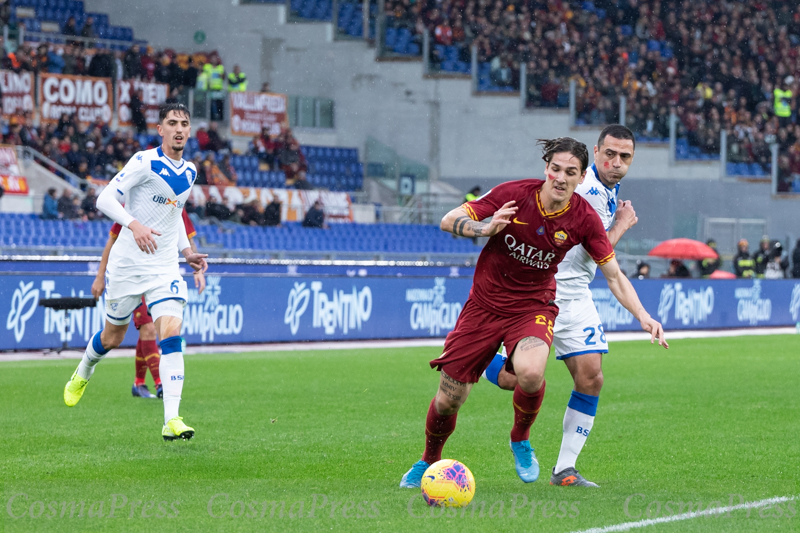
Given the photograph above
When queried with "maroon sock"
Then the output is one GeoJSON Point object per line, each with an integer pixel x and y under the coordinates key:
{"type": "Point", "coordinates": [526, 407]}
{"type": "Point", "coordinates": [151, 357]}
{"type": "Point", "coordinates": [437, 429]}
{"type": "Point", "coordinates": [141, 366]}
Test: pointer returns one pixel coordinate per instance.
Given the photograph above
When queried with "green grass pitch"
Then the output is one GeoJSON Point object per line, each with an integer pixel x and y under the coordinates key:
{"type": "Point", "coordinates": [330, 433]}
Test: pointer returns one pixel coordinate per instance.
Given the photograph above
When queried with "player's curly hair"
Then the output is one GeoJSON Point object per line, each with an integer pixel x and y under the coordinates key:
{"type": "Point", "coordinates": [551, 147]}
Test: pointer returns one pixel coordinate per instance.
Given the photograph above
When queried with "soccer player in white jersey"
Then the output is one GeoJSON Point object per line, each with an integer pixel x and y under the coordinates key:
{"type": "Point", "coordinates": [153, 187]}
{"type": "Point", "coordinates": [578, 336]}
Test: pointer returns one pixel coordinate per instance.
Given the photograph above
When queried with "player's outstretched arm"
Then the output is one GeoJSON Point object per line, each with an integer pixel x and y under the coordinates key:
{"type": "Point", "coordinates": [458, 222]}
{"type": "Point", "coordinates": [99, 283]}
{"type": "Point", "coordinates": [623, 291]}
{"type": "Point", "coordinates": [625, 219]}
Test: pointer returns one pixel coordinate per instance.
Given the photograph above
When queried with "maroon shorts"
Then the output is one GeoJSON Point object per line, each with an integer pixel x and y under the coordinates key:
{"type": "Point", "coordinates": [141, 316]}
{"type": "Point", "coordinates": [473, 343]}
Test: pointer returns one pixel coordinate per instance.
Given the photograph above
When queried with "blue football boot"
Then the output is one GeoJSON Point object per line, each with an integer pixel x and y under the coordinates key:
{"type": "Point", "coordinates": [413, 478]}
{"type": "Point", "coordinates": [525, 461]}
{"type": "Point", "coordinates": [141, 391]}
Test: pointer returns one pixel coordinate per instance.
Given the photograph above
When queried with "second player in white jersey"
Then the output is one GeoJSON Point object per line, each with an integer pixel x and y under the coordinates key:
{"type": "Point", "coordinates": [578, 328]}
{"type": "Point", "coordinates": [578, 269]}
{"type": "Point", "coordinates": [578, 336]}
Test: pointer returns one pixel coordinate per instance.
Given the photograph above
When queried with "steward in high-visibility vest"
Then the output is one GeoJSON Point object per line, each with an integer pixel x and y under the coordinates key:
{"type": "Point", "coordinates": [237, 80]}
{"type": "Point", "coordinates": [783, 101]}
{"type": "Point", "coordinates": [215, 74]}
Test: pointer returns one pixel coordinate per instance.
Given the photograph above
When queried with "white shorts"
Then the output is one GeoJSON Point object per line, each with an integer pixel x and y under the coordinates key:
{"type": "Point", "coordinates": [578, 329]}
{"type": "Point", "coordinates": [164, 294]}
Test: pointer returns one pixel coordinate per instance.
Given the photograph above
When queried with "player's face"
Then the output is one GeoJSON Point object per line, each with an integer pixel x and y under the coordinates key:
{"type": "Point", "coordinates": [613, 159]}
{"type": "Point", "coordinates": [175, 129]}
{"type": "Point", "coordinates": [562, 175]}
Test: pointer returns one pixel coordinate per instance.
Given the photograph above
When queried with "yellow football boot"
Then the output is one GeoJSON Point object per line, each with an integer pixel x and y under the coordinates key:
{"type": "Point", "coordinates": [73, 391]}
{"type": "Point", "coordinates": [176, 429]}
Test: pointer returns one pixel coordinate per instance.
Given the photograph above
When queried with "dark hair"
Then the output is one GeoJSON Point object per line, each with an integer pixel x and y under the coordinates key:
{"type": "Point", "coordinates": [550, 147]}
{"type": "Point", "coordinates": [180, 109]}
{"type": "Point", "coordinates": [618, 131]}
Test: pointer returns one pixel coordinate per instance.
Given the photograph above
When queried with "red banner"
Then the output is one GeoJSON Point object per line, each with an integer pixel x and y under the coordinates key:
{"type": "Point", "coordinates": [153, 95]}
{"type": "Point", "coordinates": [15, 185]}
{"type": "Point", "coordinates": [17, 93]}
{"type": "Point", "coordinates": [252, 111]}
{"type": "Point", "coordinates": [295, 203]}
{"type": "Point", "coordinates": [10, 176]}
{"type": "Point", "coordinates": [88, 97]}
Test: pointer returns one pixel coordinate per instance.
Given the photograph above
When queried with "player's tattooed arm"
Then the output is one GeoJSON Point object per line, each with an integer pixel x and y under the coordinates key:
{"type": "Point", "coordinates": [466, 227]}
{"type": "Point", "coordinates": [458, 222]}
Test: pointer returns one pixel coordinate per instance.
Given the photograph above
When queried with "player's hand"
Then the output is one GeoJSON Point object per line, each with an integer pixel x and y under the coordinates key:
{"type": "Point", "coordinates": [626, 214]}
{"type": "Point", "coordinates": [199, 281]}
{"type": "Point", "coordinates": [98, 286]}
{"type": "Point", "coordinates": [655, 329]}
{"type": "Point", "coordinates": [501, 218]}
{"type": "Point", "coordinates": [197, 261]}
{"type": "Point", "coordinates": [144, 237]}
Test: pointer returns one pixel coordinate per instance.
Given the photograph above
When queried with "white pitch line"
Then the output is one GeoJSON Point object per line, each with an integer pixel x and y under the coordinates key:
{"type": "Point", "coordinates": [687, 516]}
{"type": "Point", "coordinates": [620, 336]}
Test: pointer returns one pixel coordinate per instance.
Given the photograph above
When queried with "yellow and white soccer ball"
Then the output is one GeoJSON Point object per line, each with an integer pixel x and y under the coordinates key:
{"type": "Point", "coordinates": [448, 483]}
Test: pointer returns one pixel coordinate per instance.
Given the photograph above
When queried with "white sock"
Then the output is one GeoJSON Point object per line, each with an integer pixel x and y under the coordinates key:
{"type": "Point", "coordinates": [577, 426]}
{"type": "Point", "coordinates": [171, 370]}
{"type": "Point", "coordinates": [94, 354]}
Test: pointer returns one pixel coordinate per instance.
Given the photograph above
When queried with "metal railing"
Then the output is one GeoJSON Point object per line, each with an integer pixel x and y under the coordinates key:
{"type": "Point", "coordinates": [60, 38]}
{"type": "Point", "coordinates": [247, 255]}
{"type": "Point", "coordinates": [25, 153]}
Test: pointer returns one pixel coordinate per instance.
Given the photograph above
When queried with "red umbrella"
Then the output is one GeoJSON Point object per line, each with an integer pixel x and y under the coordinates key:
{"type": "Point", "coordinates": [721, 274]}
{"type": "Point", "coordinates": [683, 249]}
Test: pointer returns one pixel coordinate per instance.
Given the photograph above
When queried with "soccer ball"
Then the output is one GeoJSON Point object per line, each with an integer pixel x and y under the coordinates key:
{"type": "Point", "coordinates": [448, 483]}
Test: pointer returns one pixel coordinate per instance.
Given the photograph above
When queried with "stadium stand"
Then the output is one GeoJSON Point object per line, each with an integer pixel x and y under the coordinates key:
{"type": "Point", "coordinates": [28, 231]}
{"type": "Point", "coordinates": [59, 12]}
{"type": "Point", "coordinates": [714, 64]}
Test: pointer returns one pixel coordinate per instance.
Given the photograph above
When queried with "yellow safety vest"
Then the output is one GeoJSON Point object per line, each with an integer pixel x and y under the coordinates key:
{"type": "Point", "coordinates": [237, 83]}
{"type": "Point", "coordinates": [214, 76]}
{"type": "Point", "coordinates": [783, 108]}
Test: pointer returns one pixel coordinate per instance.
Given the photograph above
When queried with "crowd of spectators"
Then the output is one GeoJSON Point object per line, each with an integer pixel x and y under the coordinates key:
{"type": "Point", "coordinates": [715, 64]}
{"type": "Point", "coordinates": [178, 70]}
{"type": "Point", "coordinates": [770, 261]}
{"type": "Point", "coordinates": [69, 206]}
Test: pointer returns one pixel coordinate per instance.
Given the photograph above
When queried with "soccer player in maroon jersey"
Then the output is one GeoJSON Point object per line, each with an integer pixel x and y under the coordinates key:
{"type": "Point", "coordinates": [533, 224]}
{"type": "Point", "coordinates": [147, 355]}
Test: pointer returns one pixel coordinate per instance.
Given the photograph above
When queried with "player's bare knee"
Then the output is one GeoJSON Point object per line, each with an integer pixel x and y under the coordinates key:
{"type": "Point", "coordinates": [168, 326]}
{"type": "Point", "coordinates": [590, 383]}
{"type": "Point", "coordinates": [112, 337]}
{"type": "Point", "coordinates": [530, 379]}
{"type": "Point", "coordinates": [446, 406]}
{"type": "Point", "coordinates": [147, 332]}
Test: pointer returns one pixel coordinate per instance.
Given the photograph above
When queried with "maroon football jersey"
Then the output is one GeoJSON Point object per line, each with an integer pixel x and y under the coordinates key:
{"type": "Point", "coordinates": [516, 269]}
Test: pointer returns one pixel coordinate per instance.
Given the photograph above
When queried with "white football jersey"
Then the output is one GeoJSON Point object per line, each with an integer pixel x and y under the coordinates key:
{"type": "Point", "coordinates": [154, 189]}
{"type": "Point", "coordinates": [577, 269]}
